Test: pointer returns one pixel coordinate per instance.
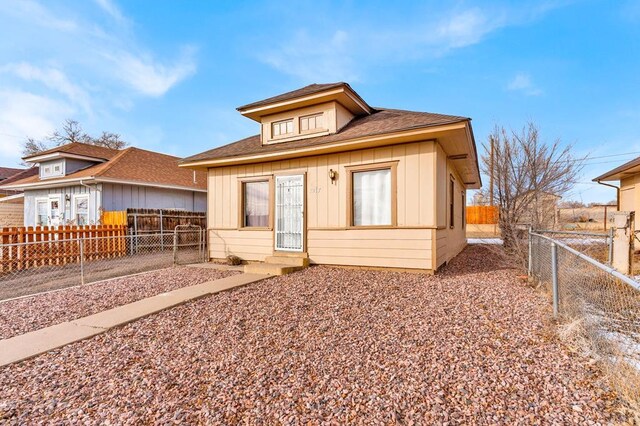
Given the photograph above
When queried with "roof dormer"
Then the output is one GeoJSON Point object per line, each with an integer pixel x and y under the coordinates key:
{"type": "Point", "coordinates": [314, 110]}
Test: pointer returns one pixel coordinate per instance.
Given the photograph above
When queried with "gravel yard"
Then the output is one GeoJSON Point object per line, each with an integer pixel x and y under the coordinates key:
{"type": "Point", "coordinates": [469, 345]}
{"type": "Point", "coordinates": [31, 313]}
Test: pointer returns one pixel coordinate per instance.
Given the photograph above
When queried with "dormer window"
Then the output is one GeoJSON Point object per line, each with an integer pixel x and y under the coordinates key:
{"type": "Point", "coordinates": [281, 128]}
{"type": "Point", "coordinates": [312, 123]}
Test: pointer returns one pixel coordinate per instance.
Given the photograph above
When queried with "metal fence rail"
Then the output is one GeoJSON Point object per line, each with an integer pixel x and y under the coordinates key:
{"type": "Point", "coordinates": [44, 265]}
{"type": "Point", "coordinates": [601, 305]}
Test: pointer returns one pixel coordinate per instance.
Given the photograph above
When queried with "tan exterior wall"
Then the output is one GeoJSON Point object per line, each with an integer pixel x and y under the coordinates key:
{"type": "Point", "coordinates": [11, 214]}
{"type": "Point", "coordinates": [329, 238]}
{"type": "Point", "coordinates": [629, 199]}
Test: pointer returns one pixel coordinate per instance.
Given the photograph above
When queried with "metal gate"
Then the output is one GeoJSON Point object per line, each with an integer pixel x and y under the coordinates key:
{"type": "Point", "coordinates": [189, 245]}
{"type": "Point", "coordinates": [289, 213]}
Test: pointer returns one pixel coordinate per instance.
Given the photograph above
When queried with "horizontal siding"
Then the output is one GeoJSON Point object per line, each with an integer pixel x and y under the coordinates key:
{"type": "Point", "coordinates": [11, 214]}
{"type": "Point", "coordinates": [248, 245]}
{"type": "Point", "coordinates": [393, 248]}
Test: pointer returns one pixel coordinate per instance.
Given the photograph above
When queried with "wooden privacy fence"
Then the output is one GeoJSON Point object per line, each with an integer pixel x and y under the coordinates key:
{"type": "Point", "coordinates": [482, 215]}
{"type": "Point", "coordinates": [28, 247]}
{"type": "Point", "coordinates": [144, 221]}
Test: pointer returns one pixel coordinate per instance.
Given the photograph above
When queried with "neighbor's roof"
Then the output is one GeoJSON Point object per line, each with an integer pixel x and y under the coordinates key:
{"type": "Point", "coordinates": [78, 148]}
{"type": "Point", "coordinates": [629, 168]}
{"type": "Point", "coordinates": [23, 174]}
{"type": "Point", "coordinates": [132, 165]}
{"type": "Point", "coordinates": [298, 93]}
{"type": "Point", "coordinates": [7, 172]}
{"type": "Point", "coordinates": [381, 121]}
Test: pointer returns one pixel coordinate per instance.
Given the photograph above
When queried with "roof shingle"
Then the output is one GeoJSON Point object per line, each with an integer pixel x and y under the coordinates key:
{"type": "Point", "coordinates": [381, 121]}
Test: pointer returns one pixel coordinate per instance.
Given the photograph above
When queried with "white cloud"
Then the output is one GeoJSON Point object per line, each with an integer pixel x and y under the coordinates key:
{"type": "Point", "coordinates": [53, 79]}
{"type": "Point", "coordinates": [522, 83]}
{"type": "Point", "coordinates": [37, 15]}
{"type": "Point", "coordinates": [112, 10]}
{"type": "Point", "coordinates": [150, 77]}
{"type": "Point", "coordinates": [25, 114]}
{"type": "Point", "coordinates": [345, 55]}
{"type": "Point", "coordinates": [314, 59]}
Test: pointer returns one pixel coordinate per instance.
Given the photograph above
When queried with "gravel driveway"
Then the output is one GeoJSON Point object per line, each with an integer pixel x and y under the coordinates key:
{"type": "Point", "coordinates": [466, 346]}
{"type": "Point", "coordinates": [31, 313]}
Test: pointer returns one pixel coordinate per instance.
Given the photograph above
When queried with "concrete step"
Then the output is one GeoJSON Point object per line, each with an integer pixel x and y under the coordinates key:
{"type": "Point", "coordinates": [288, 260]}
{"type": "Point", "coordinates": [271, 268]}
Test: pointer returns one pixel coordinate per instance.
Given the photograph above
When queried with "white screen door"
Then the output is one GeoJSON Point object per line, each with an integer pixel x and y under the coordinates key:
{"type": "Point", "coordinates": [289, 212]}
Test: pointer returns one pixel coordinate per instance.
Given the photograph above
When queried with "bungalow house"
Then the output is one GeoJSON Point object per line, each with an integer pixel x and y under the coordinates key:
{"type": "Point", "coordinates": [628, 191]}
{"type": "Point", "coordinates": [74, 183]}
{"type": "Point", "coordinates": [332, 180]}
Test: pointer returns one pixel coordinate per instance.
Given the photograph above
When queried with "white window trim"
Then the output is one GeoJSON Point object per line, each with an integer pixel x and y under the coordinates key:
{"type": "Point", "coordinates": [59, 198]}
{"type": "Point", "coordinates": [74, 205]}
{"type": "Point", "coordinates": [63, 171]}
{"type": "Point", "coordinates": [46, 201]}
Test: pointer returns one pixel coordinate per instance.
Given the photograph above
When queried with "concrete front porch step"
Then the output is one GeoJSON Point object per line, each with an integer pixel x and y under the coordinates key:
{"type": "Point", "coordinates": [288, 260]}
{"type": "Point", "coordinates": [271, 268]}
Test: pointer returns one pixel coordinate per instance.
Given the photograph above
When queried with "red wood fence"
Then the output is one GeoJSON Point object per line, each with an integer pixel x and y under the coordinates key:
{"type": "Point", "coordinates": [482, 215]}
{"type": "Point", "coordinates": [28, 247]}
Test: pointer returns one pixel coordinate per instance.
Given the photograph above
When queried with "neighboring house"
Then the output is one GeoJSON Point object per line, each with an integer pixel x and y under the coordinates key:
{"type": "Point", "coordinates": [335, 180]}
{"type": "Point", "coordinates": [628, 191]}
{"type": "Point", "coordinates": [541, 209]}
{"type": "Point", "coordinates": [6, 173]}
{"type": "Point", "coordinates": [76, 182]}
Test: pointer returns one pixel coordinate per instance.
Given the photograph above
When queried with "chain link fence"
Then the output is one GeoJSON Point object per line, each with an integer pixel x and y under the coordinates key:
{"type": "Point", "coordinates": [599, 306]}
{"type": "Point", "coordinates": [33, 267]}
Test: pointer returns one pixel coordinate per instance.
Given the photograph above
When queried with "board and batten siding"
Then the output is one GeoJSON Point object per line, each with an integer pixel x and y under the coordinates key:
{"type": "Point", "coordinates": [30, 197]}
{"type": "Point", "coordinates": [329, 238]}
{"type": "Point", "coordinates": [117, 197]}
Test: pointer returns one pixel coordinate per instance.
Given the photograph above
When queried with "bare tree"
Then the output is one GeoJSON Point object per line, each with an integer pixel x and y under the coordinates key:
{"type": "Point", "coordinates": [70, 132]}
{"type": "Point", "coordinates": [527, 172]}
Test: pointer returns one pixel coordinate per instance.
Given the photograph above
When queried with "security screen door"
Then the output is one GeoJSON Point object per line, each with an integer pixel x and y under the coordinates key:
{"type": "Point", "coordinates": [289, 213]}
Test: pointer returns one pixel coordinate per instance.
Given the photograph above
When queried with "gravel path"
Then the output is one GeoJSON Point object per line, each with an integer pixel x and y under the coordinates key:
{"type": "Point", "coordinates": [326, 345]}
{"type": "Point", "coordinates": [31, 313]}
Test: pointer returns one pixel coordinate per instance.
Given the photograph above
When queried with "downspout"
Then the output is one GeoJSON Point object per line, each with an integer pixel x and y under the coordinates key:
{"type": "Point", "coordinates": [617, 188]}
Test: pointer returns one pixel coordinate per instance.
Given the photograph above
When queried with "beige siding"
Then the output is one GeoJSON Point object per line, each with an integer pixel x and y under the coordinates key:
{"type": "Point", "coordinates": [392, 248]}
{"type": "Point", "coordinates": [11, 214]}
{"type": "Point", "coordinates": [629, 200]}
{"type": "Point", "coordinates": [421, 198]}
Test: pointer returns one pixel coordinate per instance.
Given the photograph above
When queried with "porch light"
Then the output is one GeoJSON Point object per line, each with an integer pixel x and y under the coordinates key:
{"type": "Point", "coordinates": [333, 175]}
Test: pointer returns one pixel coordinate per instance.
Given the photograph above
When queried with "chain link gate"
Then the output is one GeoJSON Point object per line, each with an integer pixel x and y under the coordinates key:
{"type": "Point", "coordinates": [189, 245]}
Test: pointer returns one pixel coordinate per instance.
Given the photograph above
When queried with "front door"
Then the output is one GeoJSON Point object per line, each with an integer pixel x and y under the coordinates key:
{"type": "Point", "coordinates": [289, 213]}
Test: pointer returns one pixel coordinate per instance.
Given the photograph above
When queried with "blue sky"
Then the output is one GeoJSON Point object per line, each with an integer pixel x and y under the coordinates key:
{"type": "Point", "coordinates": [168, 75]}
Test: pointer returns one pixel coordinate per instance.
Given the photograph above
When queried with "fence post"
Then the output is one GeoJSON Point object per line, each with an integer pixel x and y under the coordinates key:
{"type": "Point", "coordinates": [81, 244]}
{"type": "Point", "coordinates": [175, 247]}
{"type": "Point", "coordinates": [554, 277]}
{"type": "Point", "coordinates": [530, 255]}
{"type": "Point", "coordinates": [161, 232]}
{"type": "Point", "coordinates": [611, 235]}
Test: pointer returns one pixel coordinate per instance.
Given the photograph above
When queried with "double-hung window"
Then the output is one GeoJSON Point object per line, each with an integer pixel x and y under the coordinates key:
{"type": "Point", "coordinates": [81, 210]}
{"type": "Point", "coordinates": [255, 204]}
{"type": "Point", "coordinates": [42, 212]}
{"type": "Point", "coordinates": [373, 199]}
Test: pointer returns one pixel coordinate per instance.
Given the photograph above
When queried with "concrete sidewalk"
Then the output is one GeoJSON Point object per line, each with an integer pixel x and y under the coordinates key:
{"type": "Point", "coordinates": [28, 345]}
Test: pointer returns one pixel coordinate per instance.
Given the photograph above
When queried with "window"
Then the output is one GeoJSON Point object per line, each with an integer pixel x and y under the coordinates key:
{"type": "Point", "coordinates": [255, 204]}
{"type": "Point", "coordinates": [372, 192]}
{"type": "Point", "coordinates": [42, 213]}
{"type": "Point", "coordinates": [281, 128]}
{"type": "Point", "coordinates": [54, 211]}
{"type": "Point", "coordinates": [52, 169]}
{"type": "Point", "coordinates": [311, 123]}
{"type": "Point", "coordinates": [81, 210]}
{"type": "Point", "coordinates": [451, 202]}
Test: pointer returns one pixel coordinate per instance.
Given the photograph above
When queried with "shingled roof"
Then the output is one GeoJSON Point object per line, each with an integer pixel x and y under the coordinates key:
{"type": "Point", "coordinates": [78, 148]}
{"type": "Point", "coordinates": [133, 165]}
{"type": "Point", "coordinates": [381, 121]}
{"type": "Point", "coordinates": [7, 172]}
{"type": "Point", "coordinates": [298, 93]}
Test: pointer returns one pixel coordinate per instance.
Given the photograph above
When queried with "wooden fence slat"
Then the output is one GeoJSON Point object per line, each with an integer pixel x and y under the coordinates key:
{"type": "Point", "coordinates": [482, 215]}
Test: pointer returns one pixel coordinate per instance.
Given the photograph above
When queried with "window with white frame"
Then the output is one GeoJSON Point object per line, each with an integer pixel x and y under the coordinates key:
{"type": "Point", "coordinates": [55, 211]}
{"type": "Point", "coordinates": [81, 210]}
{"type": "Point", "coordinates": [310, 123]}
{"type": "Point", "coordinates": [372, 197]}
{"type": "Point", "coordinates": [42, 212]}
{"type": "Point", "coordinates": [281, 128]}
{"type": "Point", "coordinates": [255, 204]}
{"type": "Point", "coordinates": [52, 169]}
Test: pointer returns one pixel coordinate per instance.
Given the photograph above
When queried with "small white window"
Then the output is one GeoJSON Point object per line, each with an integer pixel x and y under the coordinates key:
{"type": "Point", "coordinates": [281, 128]}
{"type": "Point", "coordinates": [81, 210]}
{"type": "Point", "coordinates": [42, 213]}
{"type": "Point", "coordinates": [311, 122]}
